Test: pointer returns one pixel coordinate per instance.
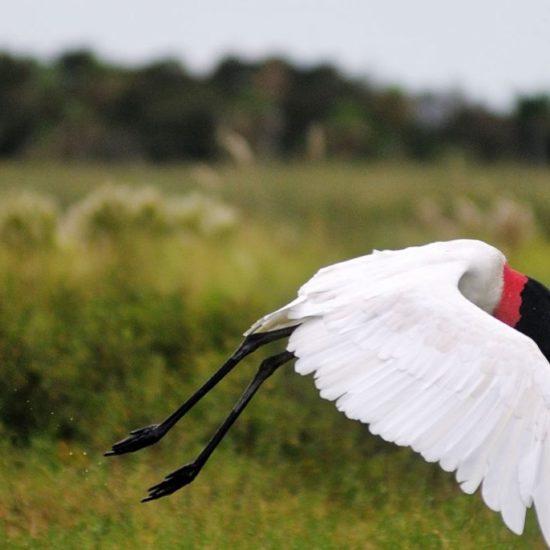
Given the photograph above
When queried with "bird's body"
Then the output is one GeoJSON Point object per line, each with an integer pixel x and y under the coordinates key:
{"type": "Point", "coordinates": [407, 342]}
{"type": "Point", "coordinates": [443, 348]}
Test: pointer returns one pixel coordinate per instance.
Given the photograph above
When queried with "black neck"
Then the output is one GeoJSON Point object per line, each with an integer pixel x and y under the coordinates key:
{"type": "Point", "coordinates": [535, 315]}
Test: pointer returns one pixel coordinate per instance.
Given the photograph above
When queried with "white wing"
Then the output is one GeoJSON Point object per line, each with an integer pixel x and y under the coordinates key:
{"type": "Point", "coordinates": [407, 353]}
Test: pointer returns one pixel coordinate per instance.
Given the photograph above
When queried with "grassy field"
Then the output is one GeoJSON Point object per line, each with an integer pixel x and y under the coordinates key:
{"type": "Point", "coordinates": [110, 315]}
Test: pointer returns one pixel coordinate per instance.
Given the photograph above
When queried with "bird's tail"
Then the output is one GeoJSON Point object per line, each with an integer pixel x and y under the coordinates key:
{"type": "Point", "coordinates": [275, 320]}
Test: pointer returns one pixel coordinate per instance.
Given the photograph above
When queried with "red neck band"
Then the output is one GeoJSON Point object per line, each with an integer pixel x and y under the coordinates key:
{"type": "Point", "coordinates": [508, 308]}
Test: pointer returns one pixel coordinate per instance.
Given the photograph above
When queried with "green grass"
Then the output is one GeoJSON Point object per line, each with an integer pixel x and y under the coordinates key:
{"type": "Point", "coordinates": [100, 337]}
{"type": "Point", "coordinates": [55, 496]}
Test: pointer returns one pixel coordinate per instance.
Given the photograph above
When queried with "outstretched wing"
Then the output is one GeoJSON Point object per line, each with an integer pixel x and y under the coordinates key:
{"type": "Point", "coordinates": [408, 354]}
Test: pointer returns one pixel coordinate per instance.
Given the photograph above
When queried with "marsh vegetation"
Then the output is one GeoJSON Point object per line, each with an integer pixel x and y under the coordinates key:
{"type": "Point", "coordinates": [123, 287]}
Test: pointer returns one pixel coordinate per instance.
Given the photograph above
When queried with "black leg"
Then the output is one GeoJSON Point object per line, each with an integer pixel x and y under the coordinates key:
{"type": "Point", "coordinates": [186, 474]}
{"type": "Point", "coordinates": [143, 437]}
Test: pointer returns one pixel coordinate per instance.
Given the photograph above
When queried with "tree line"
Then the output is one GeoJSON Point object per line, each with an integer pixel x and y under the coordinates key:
{"type": "Point", "coordinates": [79, 106]}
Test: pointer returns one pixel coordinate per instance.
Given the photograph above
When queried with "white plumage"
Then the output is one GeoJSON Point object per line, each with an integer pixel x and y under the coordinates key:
{"type": "Point", "coordinates": [404, 341]}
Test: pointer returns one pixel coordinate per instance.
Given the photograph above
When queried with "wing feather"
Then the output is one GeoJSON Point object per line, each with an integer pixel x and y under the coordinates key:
{"type": "Point", "coordinates": [541, 492]}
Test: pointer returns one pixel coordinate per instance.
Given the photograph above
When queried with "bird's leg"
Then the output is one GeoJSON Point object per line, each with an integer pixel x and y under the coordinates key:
{"type": "Point", "coordinates": [143, 437]}
{"type": "Point", "coordinates": [186, 474]}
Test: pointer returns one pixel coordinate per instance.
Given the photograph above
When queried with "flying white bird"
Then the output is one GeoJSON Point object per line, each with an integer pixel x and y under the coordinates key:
{"type": "Point", "coordinates": [443, 348]}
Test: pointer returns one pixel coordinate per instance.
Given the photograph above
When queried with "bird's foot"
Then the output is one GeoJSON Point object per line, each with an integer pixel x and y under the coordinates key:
{"type": "Point", "coordinates": [172, 482]}
{"type": "Point", "coordinates": [138, 439]}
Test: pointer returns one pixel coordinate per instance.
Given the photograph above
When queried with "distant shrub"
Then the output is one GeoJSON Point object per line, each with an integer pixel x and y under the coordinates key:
{"type": "Point", "coordinates": [504, 220]}
{"type": "Point", "coordinates": [112, 212]}
{"type": "Point", "coordinates": [201, 214]}
{"type": "Point", "coordinates": [119, 212]}
{"type": "Point", "coordinates": [514, 223]}
{"type": "Point", "coordinates": [28, 221]}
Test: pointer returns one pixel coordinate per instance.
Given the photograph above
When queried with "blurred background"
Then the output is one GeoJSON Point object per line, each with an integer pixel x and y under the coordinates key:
{"type": "Point", "coordinates": [265, 80]}
{"type": "Point", "coordinates": [170, 174]}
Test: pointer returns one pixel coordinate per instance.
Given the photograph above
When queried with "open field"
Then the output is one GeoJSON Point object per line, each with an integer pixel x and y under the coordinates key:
{"type": "Point", "coordinates": [105, 326]}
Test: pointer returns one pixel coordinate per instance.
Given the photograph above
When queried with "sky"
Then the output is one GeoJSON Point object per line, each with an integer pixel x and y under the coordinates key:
{"type": "Point", "coordinates": [491, 50]}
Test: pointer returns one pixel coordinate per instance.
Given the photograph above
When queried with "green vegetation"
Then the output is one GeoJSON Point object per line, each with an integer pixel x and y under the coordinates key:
{"type": "Point", "coordinates": [121, 290]}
